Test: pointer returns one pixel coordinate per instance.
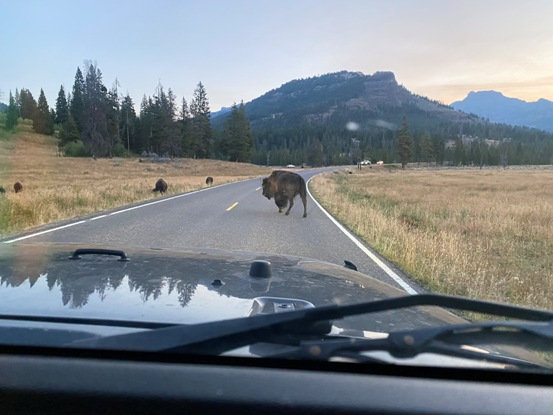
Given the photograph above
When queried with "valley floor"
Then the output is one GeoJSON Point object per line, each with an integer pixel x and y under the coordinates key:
{"type": "Point", "coordinates": [478, 233]}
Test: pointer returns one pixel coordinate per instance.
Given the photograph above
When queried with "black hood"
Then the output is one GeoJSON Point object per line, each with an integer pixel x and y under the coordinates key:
{"type": "Point", "coordinates": [183, 287]}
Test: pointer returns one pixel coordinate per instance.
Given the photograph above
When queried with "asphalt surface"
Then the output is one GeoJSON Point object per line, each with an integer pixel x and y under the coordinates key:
{"type": "Point", "coordinates": [232, 217]}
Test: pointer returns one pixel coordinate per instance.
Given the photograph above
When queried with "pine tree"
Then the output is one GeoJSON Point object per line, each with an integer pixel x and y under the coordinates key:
{"type": "Point", "coordinates": [173, 141]}
{"type": "Point", "coordinates": [145, 124]}
{"type": "Point", "coordinates": [62, 109]}
{"type": "Point", "coordinates": [113, 114]}
{"type": "Point", "coordinates": [17, 102]}
{"type": "Point", "coordinates": [184, 121]}
{"type": "Point", "coordinates": [11, 116]}
{"type": "Point", "coordinates": [201, 134]}
{"type": "Point", "coordinates": [95, 134]}
{"type": "Point", "coordinates": [238, 140]}
{"type": "Point", "coordinates": [165, 138]}
{"type": "Point", "coordinates": [404, 144]}
{"type": "Point", "coordinates": [51, 120]}
{"type": "Point", "coordinates": [77, 103]}
{"type": "Point", "coordinates": [42, 121]}
{"type": "Point", "coordinates": [128, 123]}
{"type": "Point", "coordinates": [426, 147]}
{"type": "Point", "coordinates": [69, 132]}
{"type": "Point", "coordinates": [27, 104]}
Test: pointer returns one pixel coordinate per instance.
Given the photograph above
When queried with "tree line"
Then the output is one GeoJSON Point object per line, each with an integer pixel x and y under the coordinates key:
{"type": "Point", "coordinates": [444, 143]}
{"type": "Point", "coordinates": [92, 120]}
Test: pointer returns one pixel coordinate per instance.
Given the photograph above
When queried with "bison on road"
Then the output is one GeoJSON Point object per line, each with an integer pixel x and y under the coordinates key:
{"type": "Point", "coordinates": [161, 186]}
{"type": "Point", "coordinates": [284, 186]}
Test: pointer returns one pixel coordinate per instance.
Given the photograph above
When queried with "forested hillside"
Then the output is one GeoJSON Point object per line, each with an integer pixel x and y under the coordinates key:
{"type": "Point", "coordinates": [92, 120]}
{"type": "Point", "coordinates": [343, 117]}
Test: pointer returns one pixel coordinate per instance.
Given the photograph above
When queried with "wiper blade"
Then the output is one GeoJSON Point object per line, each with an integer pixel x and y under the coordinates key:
{"type": "Point", "coordinates": [88, 321]}
{"type": "Point", "coordinates": [450, 340]}
{"type": "Point", "coordinates": [220, 336]}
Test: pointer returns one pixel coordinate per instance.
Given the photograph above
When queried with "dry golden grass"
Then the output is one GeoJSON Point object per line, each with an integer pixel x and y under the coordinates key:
{"type": "Point", "coordinates": [479, 233]}
{"type": "Point", "coordinates": [56, 188]}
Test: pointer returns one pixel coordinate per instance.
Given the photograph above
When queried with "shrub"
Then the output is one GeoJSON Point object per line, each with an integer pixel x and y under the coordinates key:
{"type": "Point", "coordinates": [76, 149]}
{"type": "Point", "coordinates": [119, 150]}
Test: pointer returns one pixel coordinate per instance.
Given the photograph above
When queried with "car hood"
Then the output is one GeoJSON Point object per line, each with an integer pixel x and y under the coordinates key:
{"type": "Point", "coordinates": [39, 284]}
{"type": "Point", "coordinates": [184, 287]}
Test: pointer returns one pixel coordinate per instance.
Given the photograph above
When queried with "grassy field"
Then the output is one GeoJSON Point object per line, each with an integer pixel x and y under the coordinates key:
{"type": "Point", "coordinates": [56, 188]}
{"type": "Point", "coordinates": [480, 233]}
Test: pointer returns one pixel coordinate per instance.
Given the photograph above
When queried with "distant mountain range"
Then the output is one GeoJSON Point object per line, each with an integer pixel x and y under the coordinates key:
{"type": "Point", "coordinates": [498, 108]}
{"type": "Point", "coordinates": [3, 107]}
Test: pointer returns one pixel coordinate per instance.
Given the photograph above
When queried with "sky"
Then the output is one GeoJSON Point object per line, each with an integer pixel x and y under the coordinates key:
{"type": "Point", "coordinates": [242, 49]}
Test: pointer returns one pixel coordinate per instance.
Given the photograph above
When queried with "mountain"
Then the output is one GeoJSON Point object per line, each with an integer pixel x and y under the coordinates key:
{"type": "Point", "coordinates": [340, 117]}
{"type": "Point", "coordinates": [3, 107]}
{"type": "Point", "coordinates": [498, 108]}
{"type": "Point", "coordinates": [349, 95]}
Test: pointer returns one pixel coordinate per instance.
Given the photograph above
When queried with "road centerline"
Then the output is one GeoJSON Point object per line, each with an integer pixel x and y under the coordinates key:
{"type": "Point", "coordinates": [232, 206]}
{"type": "Point", "coordinates": [140, 205]}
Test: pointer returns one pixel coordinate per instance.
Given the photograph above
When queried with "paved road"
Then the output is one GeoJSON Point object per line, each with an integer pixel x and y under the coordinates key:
{"type": "Point", "coordinates": [234, 216]}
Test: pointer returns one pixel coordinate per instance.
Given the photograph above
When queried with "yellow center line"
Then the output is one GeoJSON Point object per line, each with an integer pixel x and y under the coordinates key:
{"type": "Point", "coordinates": [232, 206]}
{"type": "Point", "coordinates": [258, 188]}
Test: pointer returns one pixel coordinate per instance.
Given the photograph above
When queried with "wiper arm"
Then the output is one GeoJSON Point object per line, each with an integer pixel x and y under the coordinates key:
{"type": "Point", "coordinates": [220, 336]}
{"type": "Point", "coordinates": [448, 340]}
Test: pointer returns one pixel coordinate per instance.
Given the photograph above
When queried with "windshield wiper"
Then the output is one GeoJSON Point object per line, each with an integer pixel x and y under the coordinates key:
{"type": "Point", "coordinates": [221, 336]}
{"type": "Point", "coordinates": [450, 340]}
{"type": "Point", "coordinates": [89, 321]}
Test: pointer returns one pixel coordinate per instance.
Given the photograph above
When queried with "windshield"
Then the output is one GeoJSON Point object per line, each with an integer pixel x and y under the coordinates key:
{"type": "Point", "coordinates": [235, 160]}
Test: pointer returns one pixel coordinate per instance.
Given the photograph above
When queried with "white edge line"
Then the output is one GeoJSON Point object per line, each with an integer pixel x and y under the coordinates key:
{"type": "Point", "coordinates": [97, 217]}
{"type": "Point", "coordinates": [43, 232]}
{"type": "Point", "coordinates": [155, 202]}
{"type": "Point", "coordinates": [377, 261]}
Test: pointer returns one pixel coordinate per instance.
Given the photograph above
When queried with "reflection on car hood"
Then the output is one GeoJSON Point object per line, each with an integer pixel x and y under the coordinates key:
{"type": "Point", "coordinates": [182, 287]}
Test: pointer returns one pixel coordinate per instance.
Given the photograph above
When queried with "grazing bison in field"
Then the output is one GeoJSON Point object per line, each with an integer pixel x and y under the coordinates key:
{"type": "Point", "coordinates": [161, 186]}
{"type": "Point", "coordinates": [209, 181]}
{"type": "Point", "coordinates": [284, 186]}
{"type": "Point", "coordinates": [17, 187]}
{"type": "Point", "coordinates": [2, 190]}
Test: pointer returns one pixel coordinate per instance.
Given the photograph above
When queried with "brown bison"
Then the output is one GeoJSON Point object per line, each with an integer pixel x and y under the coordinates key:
{"type": "Point", "coordinates": [18, 187]}
{"type": "Point", "coordinates": [161, 186]}
{"type": "Point", "coordinates": [284, 186]}
{"type": "Point", "coordinates": [209, 181]}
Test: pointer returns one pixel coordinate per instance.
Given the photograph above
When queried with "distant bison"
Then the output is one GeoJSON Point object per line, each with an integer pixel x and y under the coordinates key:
{"type": "Point", "coordinates": [18, 187]}
{"type": "Point", "coordinates": [161, 186]}
{"type": "Point", "coordinates": [284, 186]}
{"type": "Point", "coordinates": [2, 190]}
{"type": "Point", "coordinates": [209, 181]}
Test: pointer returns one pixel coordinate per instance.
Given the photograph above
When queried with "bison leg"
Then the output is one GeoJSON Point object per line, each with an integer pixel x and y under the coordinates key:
{"type": "Point", "coordinates": [303, 195]}
{"type": "Point", "coordinates": [290, 207]}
